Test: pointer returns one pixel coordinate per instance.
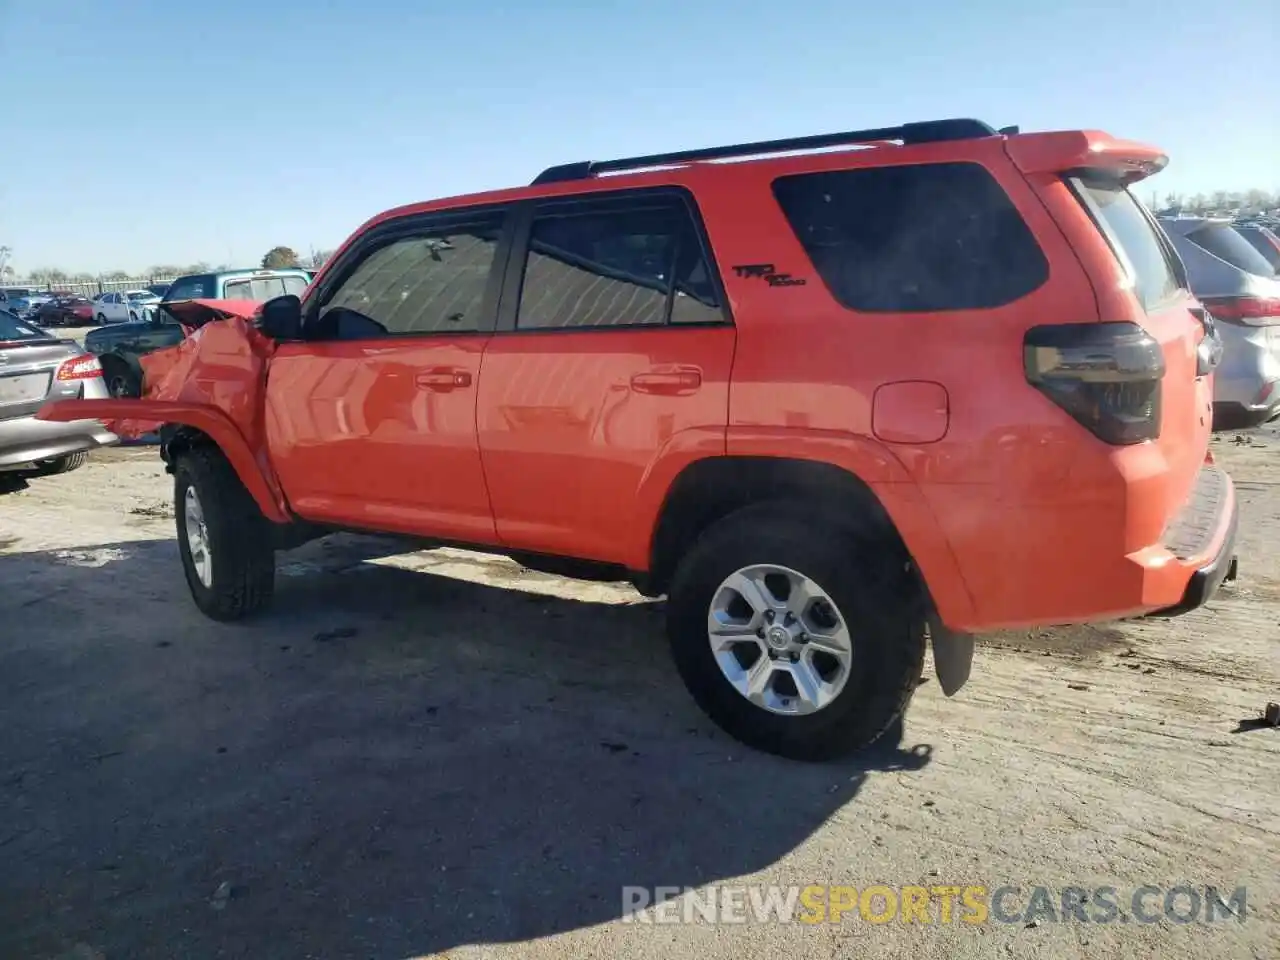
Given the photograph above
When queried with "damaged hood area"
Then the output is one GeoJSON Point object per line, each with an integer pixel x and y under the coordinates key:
{"type": "Point", "coordinates": [220, 364]}
{"type": "Point", "coordinates": [193, 314]}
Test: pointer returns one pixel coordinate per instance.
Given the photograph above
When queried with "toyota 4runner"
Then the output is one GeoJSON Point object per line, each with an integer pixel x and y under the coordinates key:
{"type": "Point", "coordinates": [842, 397]}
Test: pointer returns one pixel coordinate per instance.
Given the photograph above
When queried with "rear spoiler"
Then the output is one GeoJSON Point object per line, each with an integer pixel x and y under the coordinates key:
{"type": "Point", "coordinates": [1068, 151]}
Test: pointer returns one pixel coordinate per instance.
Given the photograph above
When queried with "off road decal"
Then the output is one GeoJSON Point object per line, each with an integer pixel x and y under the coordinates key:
{"type": "Point", "coordinates": [769, 274]}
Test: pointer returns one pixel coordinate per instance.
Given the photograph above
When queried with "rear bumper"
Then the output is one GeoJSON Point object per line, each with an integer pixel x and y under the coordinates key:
{"type": "Point", "coordinates": [23, 440]}
{"type": "Point", "coordinates": [1206, 580]}
{"type": "Point", "coordinates": [1044, 564]}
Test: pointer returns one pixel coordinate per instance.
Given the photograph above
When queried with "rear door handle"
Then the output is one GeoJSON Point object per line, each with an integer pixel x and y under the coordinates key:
{"type": "Point", "coordinates": [443, 379]}
{"type": "Point", "coordinates": [678, 381]}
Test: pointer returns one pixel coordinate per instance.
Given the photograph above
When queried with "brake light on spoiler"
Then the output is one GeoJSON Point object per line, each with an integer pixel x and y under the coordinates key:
{"type": "Point", "coordinates": [1246, 311]}
{"type": "Point", "coordinates": [1072, 150]}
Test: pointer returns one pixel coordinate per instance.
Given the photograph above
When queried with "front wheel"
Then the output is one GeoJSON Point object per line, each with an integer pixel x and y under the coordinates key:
{"type": "Point", "coordinates": [102, 319]}
{"type": "Point", "coordinates": [796, 639]}
{"type": "Point", "coordinates": [224, 540]}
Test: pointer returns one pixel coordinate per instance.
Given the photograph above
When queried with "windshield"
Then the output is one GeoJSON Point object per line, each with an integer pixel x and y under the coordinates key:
{"type": "Point", "coordinates": [12, 329]}
{"type": "Point", "coordinates": [141, 295]}
{"type": "Point", "coordinates": [191, 288]}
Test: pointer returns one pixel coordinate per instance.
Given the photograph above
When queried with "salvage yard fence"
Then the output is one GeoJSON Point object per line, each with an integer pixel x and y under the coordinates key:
{"type": "Point", "coordinates": [88, 288]}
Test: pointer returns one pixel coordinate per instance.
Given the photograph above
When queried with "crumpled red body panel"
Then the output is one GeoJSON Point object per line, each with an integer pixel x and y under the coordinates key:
{"type": "Point", "coordinates": [213, 381]}
{"type": "Point", "coordinates": [220, 364]}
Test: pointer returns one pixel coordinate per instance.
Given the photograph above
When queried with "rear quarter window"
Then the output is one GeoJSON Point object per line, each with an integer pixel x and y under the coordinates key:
{"type": "Point", "coordinates": [919, 238]}
{"type": "Point", "coordinates": [1143, 252]}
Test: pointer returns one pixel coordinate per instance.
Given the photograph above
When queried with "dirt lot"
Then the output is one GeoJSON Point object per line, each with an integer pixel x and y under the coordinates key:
{"type": "Point", "coordinates": [428, 754]}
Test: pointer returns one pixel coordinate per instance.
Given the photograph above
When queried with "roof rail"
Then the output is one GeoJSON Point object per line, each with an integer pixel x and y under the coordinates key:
{"type": "Point", "coordinates": [925, 131]}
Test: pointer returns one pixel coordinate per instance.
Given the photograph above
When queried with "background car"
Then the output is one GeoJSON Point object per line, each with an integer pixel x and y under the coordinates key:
{"type": "Point", "coordinates": [257, 285]}
{"type": "Point", "coordinates": [1263, 240]}
{"type": "Point", "coordinates": [66, 311]}
{"type": "Point", "coordinates": [14, 303]}
{"type": "Point", "coordinates": [36, 367]}
{"type": "Point", "coordinates": [120, 346]}
{"type": "Point", "coordinates": [125, 306]}
{"type": "Point", "coordinates": [1241, 291]}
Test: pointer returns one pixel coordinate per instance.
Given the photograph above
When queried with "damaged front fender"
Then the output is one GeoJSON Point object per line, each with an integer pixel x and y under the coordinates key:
{"type": "Point", "coordinates": [212, 382]}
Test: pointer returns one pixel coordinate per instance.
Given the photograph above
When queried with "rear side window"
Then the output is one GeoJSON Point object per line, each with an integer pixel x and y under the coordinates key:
{"type": "Point", "coordinates": [1139, 248]}
{"type": "Point", "coordinates": [1225, 243]}
{"type": "Point", "coordinates": [920, 238]}
{"type": "Point", "coordinates": [610, 261]}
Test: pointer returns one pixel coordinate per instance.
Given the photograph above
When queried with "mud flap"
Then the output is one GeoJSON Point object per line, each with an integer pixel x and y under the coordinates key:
{"type": "Point", "coordinates": [952, 656]}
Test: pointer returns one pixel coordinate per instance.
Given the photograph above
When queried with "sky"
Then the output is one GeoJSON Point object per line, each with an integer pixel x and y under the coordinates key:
{"type": "Point", "coordinates": [140, 132]}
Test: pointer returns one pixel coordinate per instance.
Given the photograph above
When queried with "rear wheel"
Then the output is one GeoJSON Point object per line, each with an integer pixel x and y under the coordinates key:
{"type": "Point", "coordinates": [121, 380]}
{"type": "Point", "coordinates": [795, 639]}
{"type": "Point", "coordinates": [102, 318]}
{"type": "Point", "coordinates": [56, 465]}
{"type": "Point", "coordinates": [225, 542]}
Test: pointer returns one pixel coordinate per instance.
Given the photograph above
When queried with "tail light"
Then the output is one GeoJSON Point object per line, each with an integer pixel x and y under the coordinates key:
{"type": "Point", "coordinates": [83, 367]}
{"type": "Point", "coordinates": [1106, 375]}
{"type": "Point", "coordinates": [1247, 311]}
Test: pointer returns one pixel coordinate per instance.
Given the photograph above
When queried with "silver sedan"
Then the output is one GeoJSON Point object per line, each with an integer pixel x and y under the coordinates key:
{"type": "Point", "coordinates": [37, 367]}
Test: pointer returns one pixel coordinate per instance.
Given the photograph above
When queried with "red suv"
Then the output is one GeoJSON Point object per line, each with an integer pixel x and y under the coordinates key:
{"type": "Point", "coordinates": [836, 398]}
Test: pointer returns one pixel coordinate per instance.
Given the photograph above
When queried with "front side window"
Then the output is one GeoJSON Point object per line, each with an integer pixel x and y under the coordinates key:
{"type": "Point", "coordinates": [616, 262]}
{"type": "Point", "coordinates": [430, 282]}
{"type": "Point", "coordinates": [913, 238]}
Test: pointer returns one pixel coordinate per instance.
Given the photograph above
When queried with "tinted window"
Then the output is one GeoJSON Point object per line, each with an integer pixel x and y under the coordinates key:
{"type": "Point", "coordinates": [927, 237]}
{"type": "Point", "coordinates": [1224, 243]}
{"type": "Point", "coordinates": [1132, 237]}
{"type": "Point", "coordinates": [616, 262]}
{"type": "Point", "coordinates": [431, 282]}
{"type": "Point", "coordinates": [1265, 242]}
{"type": "Point", "coordinates": [191, 288]}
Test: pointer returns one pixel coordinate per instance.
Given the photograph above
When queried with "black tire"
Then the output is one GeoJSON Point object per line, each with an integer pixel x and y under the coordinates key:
{"type": "Point", "coordinates": [102, 319]}
{"type": "Point", "coordinates": [239, 537]}
{"type": "Point", "coordinates": [121, 379]}
{"type": "Point", "coordinates": [65, 464]}
{"type": "Point", "coordinates": [870, 583]}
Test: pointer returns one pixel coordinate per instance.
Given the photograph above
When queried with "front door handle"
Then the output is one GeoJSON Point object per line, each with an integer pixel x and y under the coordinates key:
{"type": "Point", "coordinates": [678, 381]}
{"type": "Point", "coordinates": [443, 379]}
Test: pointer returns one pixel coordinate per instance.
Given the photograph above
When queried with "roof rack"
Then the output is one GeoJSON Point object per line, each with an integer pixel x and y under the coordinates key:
{"type": "Point", "coordinates": [925, 131]}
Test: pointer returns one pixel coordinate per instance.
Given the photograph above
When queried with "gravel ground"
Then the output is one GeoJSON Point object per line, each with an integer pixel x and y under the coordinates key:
{"type": "Point", "coordinates": [441, 753]}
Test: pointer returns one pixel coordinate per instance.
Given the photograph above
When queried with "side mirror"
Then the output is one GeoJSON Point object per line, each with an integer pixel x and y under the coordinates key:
{"type": "Point", "coordinates": [281, 318]}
